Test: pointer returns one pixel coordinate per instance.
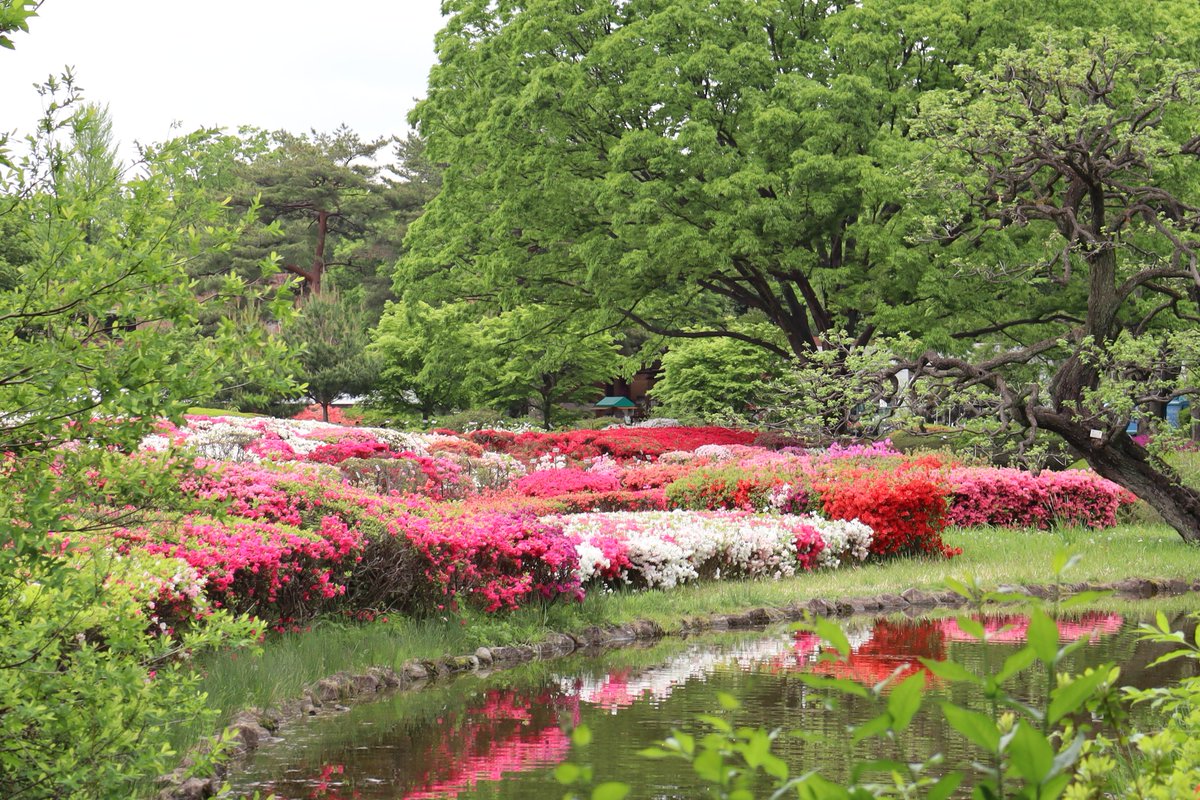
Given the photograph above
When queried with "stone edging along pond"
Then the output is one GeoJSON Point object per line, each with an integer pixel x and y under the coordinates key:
{"type": "Point", "coordinates": [252, 727]}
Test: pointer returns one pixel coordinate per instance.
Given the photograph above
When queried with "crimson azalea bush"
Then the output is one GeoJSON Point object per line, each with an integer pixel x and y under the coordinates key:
{"type": "Point", "coordinates": [905, 507]}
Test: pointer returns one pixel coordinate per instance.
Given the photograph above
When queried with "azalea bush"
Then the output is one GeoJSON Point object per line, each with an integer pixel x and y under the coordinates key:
{"type": "Point", "coordinates": [1018, 499]}
{"type": "Point", "coordinates": [620, 443]}
{"type": "Point", "coordinates": [905, 507]}
{"type": "Point", "coordinates": [554, 482]}
{"type": "Point", "coordinates": [668, 548]}
{"type": "Point", "coordinates": [498, 560]}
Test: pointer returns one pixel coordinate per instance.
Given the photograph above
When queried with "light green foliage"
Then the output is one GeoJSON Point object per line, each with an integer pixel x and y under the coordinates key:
{"type": "Point", "coordinates": [92, 689]}
{"type": "Point", "coordinates": [713, 378]}
{"type": "Point", "coordinates": [841, 389]}
{"type": "Point", "coordinates": [14, 17]}
{"type": "Point", "coordinates": [526, 361]}
{"type": "Point", "coordinates": [661, 162]}
{"type": "Point", "coordinates": [425, 354]}
{"type": "Point", "coordinates": [667, 163]}
{"type": "Point", "coordinates": [99, 336]}
{"type": "Point", "coordinates": [447, 357]}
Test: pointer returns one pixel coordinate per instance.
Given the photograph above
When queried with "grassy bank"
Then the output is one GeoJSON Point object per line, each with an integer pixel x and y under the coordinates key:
{"type": "Point", "coordinates": [287, 663]}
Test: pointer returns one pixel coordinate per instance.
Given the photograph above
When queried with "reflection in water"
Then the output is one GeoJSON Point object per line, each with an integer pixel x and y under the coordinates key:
{"type": "Point", "coordinates": [502, 736]}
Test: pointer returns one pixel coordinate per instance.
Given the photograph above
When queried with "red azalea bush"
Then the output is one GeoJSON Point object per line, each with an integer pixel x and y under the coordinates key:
{"type": "Point", "coordinates": [1018, 499]}
{"type": "Point", "coordinates": [620, 443]}
{"type": "Point", "coordinates": [906, 507]}
{"type": "Point", "coordinates": [344, 449]}
{"type": "Point", "coordinates": [555, 482]}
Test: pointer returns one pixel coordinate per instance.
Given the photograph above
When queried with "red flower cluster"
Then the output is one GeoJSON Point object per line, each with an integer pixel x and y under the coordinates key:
{"type": "Point", "coordinates": [906, 508]}
{"type": "Point", "coordinates": [620, 443]}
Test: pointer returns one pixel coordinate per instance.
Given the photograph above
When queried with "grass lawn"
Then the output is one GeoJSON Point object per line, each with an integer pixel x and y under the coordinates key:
{"type": "Point", "coordinates": [994, 556]}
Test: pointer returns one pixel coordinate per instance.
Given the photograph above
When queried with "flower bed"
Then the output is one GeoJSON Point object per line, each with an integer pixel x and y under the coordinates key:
{"type": "Point", "coordinates": [362, 518]}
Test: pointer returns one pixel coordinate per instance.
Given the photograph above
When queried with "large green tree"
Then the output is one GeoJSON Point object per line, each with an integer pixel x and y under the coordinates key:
{"type": "Point", "coordinates": [1069, 286]}
{"type": "Point", "coordinates": [448, 358]}
{"type": "Point", "coordinates": [671, 163]}
{"type": "Point", "coordinates": [331, 337]}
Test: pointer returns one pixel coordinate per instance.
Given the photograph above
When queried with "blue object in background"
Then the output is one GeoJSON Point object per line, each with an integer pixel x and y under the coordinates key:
{"type": "Point", "coordinates": [1173, 409]}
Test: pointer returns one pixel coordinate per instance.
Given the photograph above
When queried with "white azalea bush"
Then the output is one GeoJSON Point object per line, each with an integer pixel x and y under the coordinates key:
{"type": "Point", "coordinates": [666, 548]}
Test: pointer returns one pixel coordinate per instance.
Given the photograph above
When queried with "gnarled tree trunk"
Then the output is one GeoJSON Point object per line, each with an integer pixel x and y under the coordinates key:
{"type": "Point", "coordinates": [1126, 463]}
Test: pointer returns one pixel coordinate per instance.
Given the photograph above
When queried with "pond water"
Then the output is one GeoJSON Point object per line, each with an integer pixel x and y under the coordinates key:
{"type": "Point", "coordinates": [501, 736]}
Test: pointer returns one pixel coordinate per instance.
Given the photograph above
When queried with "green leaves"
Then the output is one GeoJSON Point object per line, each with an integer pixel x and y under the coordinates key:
{"type": "Point", "coordinates": [977, 728]}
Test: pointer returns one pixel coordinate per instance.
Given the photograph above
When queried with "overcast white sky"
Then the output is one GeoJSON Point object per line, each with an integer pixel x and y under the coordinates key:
{"type": "Point", "coordinates": [291, 64]}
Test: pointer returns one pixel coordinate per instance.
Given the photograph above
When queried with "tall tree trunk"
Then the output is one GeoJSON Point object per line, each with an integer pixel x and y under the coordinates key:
{"type": "Point", "coordinates": [325, 412]}
{"type": "Point", "coordinates": [318, 265]}
{"type": "Point", "coordinates": [1127, 464]}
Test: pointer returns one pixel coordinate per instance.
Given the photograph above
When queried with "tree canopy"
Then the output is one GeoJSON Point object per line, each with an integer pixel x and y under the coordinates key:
{"type": "Point", "coordinates": [671, 163]}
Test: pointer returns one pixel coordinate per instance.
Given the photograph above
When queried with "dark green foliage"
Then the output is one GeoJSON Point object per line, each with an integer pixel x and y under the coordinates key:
{"type": "Point", "coordinates": [331, 339]}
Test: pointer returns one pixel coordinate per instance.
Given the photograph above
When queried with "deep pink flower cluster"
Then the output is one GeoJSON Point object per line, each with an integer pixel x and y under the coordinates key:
{"type": "Point", "coordinates": [555, 482]}
{"type": "Point", "coordinates": [1017, 499]}
{"type": "Point", "coordinates": [809, 544]}
{"type": "Point", "coordinates": [343, 449]}
{"type": "Point", "coordinates": [504, 559]}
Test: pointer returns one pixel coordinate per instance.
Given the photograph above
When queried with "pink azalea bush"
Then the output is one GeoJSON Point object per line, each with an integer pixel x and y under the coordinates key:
{"type": "Point", "coordinates": [1017, 499]}
{"type": "Point", "coordinates": [554, 482]}
{"type": "Point", "coordinates": [500, 559]}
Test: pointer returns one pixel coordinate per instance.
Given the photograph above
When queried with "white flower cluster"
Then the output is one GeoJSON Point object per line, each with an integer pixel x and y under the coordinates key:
{"type": "Point", "coordinates": [226, 438]}
{"type": "Point", "coordinates": [714, 452]}
{"type": "Point", "coordinates": [660, 422]}
{"type": "Point", "coordinates": [552, 460]}
{"type": "Point", "coordinates": [667, 548]}
{"type": "Point", "coordinates": [592, 562]}
{"type": "Point", "coordinates": [844, 539]}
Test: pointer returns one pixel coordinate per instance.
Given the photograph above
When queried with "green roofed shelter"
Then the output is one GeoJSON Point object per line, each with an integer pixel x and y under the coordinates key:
{"type": "Point", "coordinates": [616, 402]}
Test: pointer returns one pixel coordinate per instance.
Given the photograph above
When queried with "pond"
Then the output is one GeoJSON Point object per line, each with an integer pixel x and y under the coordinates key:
{"type": "Point", "coordinates": [501, 736]}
